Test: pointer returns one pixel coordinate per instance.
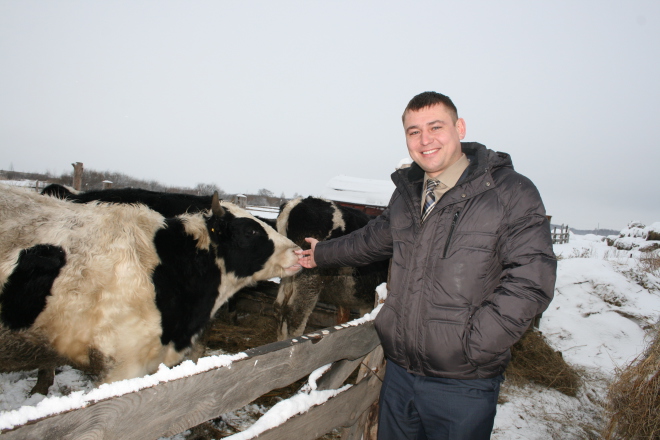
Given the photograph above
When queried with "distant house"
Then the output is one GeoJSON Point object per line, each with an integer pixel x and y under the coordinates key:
{"type": "Point", "coordinates": [367, 195]}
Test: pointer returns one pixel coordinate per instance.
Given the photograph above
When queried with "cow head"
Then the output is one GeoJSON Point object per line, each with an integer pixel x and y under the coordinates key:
{"type": "Point", "coordinates": [249, 247]}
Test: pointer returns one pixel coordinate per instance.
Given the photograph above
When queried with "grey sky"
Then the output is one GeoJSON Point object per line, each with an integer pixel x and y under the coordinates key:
{"type": "Point", "coordinates": [287, 94]}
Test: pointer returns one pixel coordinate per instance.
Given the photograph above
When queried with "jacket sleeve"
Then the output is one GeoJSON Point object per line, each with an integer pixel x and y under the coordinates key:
{"type": "Point", "coordinates": [527, 281]}
{"type": "Point", "coordinates": [371, 243]}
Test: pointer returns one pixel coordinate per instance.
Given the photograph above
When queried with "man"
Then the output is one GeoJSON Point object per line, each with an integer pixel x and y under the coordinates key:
{"type": "Point", "coordinates": [472, 265]}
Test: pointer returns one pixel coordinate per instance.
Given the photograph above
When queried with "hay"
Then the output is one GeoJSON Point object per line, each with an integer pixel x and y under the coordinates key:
{"type": "Point", "coordinates": [532, 359]}
{"type": "Point", "coordinates": [250, 331]}
{"type": "Point", "coordinates": [634, 398]}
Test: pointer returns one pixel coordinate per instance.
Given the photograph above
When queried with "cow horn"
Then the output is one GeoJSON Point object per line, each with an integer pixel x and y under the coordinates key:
{"type": "Point", "coordinates": [217, 210]}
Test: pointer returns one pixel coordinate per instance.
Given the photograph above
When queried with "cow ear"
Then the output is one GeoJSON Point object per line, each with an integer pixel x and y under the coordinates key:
{"type": "Point", "coordinates": [217, 210]}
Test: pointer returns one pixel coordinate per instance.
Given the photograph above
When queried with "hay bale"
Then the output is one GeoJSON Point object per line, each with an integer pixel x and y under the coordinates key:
{"type": "Point", "coordinates": [532, 359]}
{"type": "Point", "coordinates": [634, 398]}
{"type": "Point", "coordinates": [653, 246]}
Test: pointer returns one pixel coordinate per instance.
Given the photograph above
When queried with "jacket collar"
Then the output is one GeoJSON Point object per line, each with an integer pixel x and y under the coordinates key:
{"type": "Point", "coordinates": [476, 179]}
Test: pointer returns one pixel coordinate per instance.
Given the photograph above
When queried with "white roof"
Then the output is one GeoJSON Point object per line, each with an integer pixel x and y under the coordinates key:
{"type": "Point", "coordinates": [359, 191]}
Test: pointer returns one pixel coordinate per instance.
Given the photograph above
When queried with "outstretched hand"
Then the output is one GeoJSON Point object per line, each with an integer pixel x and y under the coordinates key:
{"type": "Point", "coordinates": [306, 258]}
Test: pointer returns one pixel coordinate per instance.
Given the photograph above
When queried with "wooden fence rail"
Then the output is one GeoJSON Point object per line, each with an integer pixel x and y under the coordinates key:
{"type": "Point", "coordinates": [561, 236]}
{"type": "Point", "coordinates": [172, 407]}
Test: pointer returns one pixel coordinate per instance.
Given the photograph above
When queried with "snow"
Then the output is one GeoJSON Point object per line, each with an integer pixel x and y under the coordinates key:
{"type": "Point", "coordinates": [282, 411]}
{"type": "Point", "coordinates": [358, 190]}
{"type": "Point", "coordinates": [269, 212]}
{"type": "Point", "coordinates": [16, 411]}
{"type": "Point", "coordinates": [598, 320]}
{"type": "Point", "coordinates": [25, 183]}
{"type": "Point", "coordinates": [654, 227]}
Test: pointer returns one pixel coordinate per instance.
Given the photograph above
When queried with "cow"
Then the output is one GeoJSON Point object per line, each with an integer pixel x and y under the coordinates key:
{"type": "Point", "coordinates": [117, 289]}
{"type": "Point", "coordinates": [345, 287]}
{"type": "Point", "coordinates": [167, 204]}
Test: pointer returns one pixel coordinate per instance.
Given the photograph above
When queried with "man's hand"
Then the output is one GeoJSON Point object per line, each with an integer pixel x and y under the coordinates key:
{"type": "Point", "coordinates": [306, 258]}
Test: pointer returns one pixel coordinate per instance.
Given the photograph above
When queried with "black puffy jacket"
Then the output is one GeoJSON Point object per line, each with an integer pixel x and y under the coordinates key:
{"type": "Point", "coordinates": [465, 284]}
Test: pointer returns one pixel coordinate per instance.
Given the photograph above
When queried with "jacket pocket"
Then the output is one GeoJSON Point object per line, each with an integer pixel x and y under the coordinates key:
{"type": "Point", "coordinates": [488, 343]}
{"type": "Point", "coordinates": [387, 325]}
{"type": "Point", "coordinates": [443, 340]}
{"type": "Point", "coordinates": [470, 240]}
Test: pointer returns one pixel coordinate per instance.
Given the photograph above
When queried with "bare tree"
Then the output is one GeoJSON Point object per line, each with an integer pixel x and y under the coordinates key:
{"type": "Point", "coordinates": [207, 189]}
{"type": "Point", "coordinates": [266, 193]}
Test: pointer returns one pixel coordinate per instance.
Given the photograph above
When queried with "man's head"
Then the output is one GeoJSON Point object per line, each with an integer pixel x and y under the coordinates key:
{"type": "Point", "coordinates": [433, 132]}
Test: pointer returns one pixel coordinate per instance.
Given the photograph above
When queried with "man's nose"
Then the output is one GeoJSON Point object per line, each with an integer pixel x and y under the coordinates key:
{"type": "Point", "coordinates": [426, 138]}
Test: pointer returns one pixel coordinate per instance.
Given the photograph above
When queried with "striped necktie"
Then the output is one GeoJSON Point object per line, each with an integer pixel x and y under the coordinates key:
{"type": "Point", "coordinates": [429, 200]}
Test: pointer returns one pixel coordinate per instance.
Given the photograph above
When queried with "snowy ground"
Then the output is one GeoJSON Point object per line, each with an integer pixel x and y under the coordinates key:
{"type": "Point", "coordinates": [598, 320]}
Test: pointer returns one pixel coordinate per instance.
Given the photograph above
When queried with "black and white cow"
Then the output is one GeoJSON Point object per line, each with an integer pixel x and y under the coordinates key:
{"type": "Point", "coordinates": [345, 287]}
{"type": "Point", "coordinates": [168, 204]}
{"type": "Point", "coordinates": [117, 289]}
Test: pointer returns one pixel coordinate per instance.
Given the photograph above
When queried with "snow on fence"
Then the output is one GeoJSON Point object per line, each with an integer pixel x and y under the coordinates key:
{"type": "Point", "coordinates": [560, 237]}
{"type": "Point", "coordinates": [171, 407]}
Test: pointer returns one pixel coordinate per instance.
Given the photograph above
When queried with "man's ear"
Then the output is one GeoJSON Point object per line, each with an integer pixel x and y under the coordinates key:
{"type": "Point", "coordinates": [460, 127]}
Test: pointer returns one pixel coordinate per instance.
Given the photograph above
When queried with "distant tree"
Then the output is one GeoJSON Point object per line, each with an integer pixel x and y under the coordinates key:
{"type": "Point", "coordinates": [266, 193]}
{"type": "Point", "coordinates": [258, 201]}
{"type": "Point", "coordinates": [207, 189]}
{"type": "Point", "coordinates": [93, 180]}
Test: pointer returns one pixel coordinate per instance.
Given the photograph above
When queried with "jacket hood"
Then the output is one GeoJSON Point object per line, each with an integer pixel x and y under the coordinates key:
{"type": "Point", "coordinates": [482, 160]}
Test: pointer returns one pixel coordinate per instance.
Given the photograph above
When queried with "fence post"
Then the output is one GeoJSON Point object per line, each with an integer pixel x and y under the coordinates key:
{"type": "Point", "coordinates": [77, 175]}
{"type": "Point", "coordinates": [366, 427]}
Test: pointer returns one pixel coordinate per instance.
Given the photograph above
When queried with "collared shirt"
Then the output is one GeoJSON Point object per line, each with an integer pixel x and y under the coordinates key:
{"type": "Point", "coordinates": [448, 179]}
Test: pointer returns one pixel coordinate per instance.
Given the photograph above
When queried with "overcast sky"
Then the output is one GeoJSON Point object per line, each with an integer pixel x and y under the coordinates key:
{"type": "Point", "coordinates": [284, 95]}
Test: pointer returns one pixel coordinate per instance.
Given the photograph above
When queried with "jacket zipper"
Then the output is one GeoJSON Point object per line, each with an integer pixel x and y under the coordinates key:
{"type": "Point", "coordinates": [451, 232]}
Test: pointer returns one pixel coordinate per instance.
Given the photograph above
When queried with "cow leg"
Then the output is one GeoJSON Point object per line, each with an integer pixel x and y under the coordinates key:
{"type": "Point", "coordinates": [45, 378]}
{"type": "Point", "coordinates": [295, 302]}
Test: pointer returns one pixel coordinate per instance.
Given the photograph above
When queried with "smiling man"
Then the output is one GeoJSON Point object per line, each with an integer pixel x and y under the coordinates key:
{"type": "Point", "coordinates": [472, 265]}
{"type": "Point", "coordinates": [433, 136]}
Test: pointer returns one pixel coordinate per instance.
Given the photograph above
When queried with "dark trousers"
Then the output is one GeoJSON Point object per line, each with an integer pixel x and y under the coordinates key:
{"type": "Point", "coordinates": [415, 407]}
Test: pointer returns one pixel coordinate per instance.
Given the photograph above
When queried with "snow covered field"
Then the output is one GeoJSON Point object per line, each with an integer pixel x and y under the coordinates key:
{"type": "Point", "coordinates": [598, 320]}
{"type": "Point", "coordinates": [602, 308]}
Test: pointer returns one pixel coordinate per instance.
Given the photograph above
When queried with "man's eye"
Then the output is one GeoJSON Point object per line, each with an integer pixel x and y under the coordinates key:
{"type": "Point", "coordinates": [435, 128]}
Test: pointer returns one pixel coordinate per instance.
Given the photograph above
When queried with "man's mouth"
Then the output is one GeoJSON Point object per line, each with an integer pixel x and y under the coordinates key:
{"type": "Point", "coordinates": [430, 151]}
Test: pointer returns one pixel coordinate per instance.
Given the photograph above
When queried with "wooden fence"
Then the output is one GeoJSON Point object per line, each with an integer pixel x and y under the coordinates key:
{"type": "Point", "coordinates": [172, 407]}
{"type": "Point", "coordinates": [560, 237]}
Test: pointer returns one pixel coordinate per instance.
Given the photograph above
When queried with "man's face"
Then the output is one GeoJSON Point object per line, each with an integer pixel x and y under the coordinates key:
{"type": "Point", "coordinates": [433, 139]}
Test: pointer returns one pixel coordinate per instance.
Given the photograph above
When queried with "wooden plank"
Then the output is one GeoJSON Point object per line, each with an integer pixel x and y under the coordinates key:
{"type": "Point", "coordinates": [341, 410]}
{"type": "Point", "coordinates": [366, 427]}
{"type": "Point", "coordinates": [172, 407]}
{"type": "Point", "coordinates": [337, 374]}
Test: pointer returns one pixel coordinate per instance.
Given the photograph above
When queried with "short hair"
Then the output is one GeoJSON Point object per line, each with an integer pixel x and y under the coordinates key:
{"type": "Point", "coordinates": [428, 99]}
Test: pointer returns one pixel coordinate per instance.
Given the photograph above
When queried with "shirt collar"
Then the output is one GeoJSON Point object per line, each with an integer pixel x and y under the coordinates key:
{"type": "Point", "coordinates": [450, 176]}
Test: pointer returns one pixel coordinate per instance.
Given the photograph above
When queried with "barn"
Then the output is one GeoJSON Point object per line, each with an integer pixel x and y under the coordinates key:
{"type": "Point", "coordinates": [368, 195]}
